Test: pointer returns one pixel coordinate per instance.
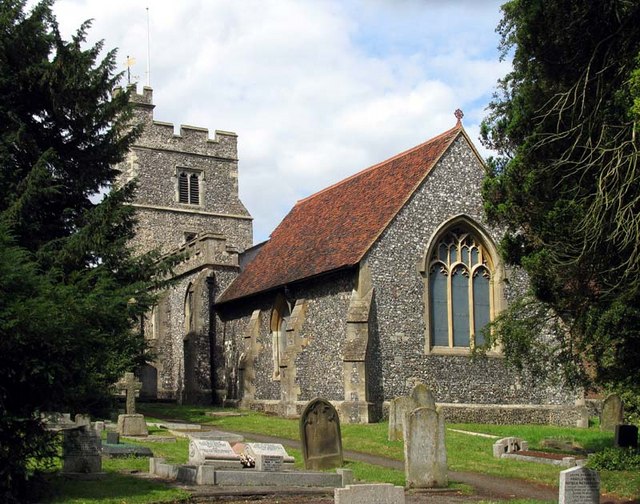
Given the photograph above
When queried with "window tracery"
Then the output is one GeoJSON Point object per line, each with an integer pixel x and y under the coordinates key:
{"type": "Point", "coordinates": [460, 288]}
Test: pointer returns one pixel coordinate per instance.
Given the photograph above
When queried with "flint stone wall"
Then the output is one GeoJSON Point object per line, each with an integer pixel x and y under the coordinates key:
{"type": "Point", "coordinates": [153, 161]}
{"type": "Point", "coordinates": [319, 365]}
{"type": "Point", "coordinates": [396, 357]}
{"type": "Point", "coordinates": [451, 189]}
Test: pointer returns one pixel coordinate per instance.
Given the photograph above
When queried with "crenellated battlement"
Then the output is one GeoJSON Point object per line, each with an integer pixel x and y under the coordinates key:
{"type": "Point", "coordinates": [208, 249]}
{"type": "Point", "coordinates": [192, 139]}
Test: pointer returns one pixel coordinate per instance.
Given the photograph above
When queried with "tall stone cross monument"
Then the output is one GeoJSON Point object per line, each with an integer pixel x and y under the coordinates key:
{"type": "Point", "coordinates": [130, 385]}
{"type": "Point", "coordinates": [131, 424]}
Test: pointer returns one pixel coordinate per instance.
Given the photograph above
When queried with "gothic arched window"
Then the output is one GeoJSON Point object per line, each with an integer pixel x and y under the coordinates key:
{"type": "Point", "coordinates": [279, 322]}
{"type": "Point", "coordinates": [189, 310]}
{"type": "Point", "coordinates": [460, 290]}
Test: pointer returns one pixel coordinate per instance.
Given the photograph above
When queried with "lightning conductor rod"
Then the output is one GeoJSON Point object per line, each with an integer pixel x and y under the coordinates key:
{"type": "Point", "coordinates": [148, 52]}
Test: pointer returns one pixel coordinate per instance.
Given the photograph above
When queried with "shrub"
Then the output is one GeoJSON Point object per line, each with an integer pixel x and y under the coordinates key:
{"type": "Point", "coordinates": [615, 459]}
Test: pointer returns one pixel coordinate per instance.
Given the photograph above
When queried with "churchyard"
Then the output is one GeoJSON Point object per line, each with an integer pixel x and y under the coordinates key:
{"type": "Point", "coordinates": [125, 479]}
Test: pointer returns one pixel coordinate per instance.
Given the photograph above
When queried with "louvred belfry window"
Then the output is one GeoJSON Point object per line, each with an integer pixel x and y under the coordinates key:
{"type": "Point", "coordinates": [189, 187]}
{"type": "Point", "coordinates": [460, 290]}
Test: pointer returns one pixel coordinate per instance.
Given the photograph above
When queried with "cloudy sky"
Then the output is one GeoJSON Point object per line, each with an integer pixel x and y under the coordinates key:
{"type": "Point", "coordinates": [316, 89]}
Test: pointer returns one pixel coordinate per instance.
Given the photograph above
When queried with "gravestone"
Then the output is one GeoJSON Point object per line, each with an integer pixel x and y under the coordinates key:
{"type": "Point", "coordinates": [425, 457]}
{"type": "Point", "coordinates": [82, 420]}
{"type": "Point", "coordinates": [583, 413]}
{"type": "Point", "coordinates": [268, 456]}
{"type": "Point", "coordinates": [57, 421]}
{"type": "Point", "coordinates": [400, 407]}
{"type": "Point", "coordinates": [113, 437]}
{"type": "Point", "coordinates": [612, 413]}
{"type": "Point", "coordinates": [320, 435]}
{"type": "Point", "coordinates": [131, 424]}
{"type": "Point", "coordinates": [377, 493]}
{"type": "Point", "coordinates": [81, 451]}
{"type": "Point", "coordinates": [423, 396]}
{"type": "Point", "coordinates": [579, 485]}
{"type": "Point", "coordinates": [213, 452]}
{"type": "Point", "coordinates": [398, 410]}
{"type": "Point", "coordinates": [626, 436]}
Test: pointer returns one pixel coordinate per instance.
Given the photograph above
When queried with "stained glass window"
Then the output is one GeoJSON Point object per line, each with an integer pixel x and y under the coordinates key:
{"type": "Point", "coordinates": [460, 290]}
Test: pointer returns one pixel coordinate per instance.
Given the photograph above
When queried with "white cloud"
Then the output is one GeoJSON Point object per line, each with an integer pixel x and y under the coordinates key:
{"type": "Point", "coordinates": [315, 90]}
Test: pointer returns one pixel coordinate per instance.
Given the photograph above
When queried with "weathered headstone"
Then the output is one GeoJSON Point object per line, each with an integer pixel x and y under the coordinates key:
{"type": "Point", "coordinates": [400, 407]}
{"type": "Point", "coordinates": [81, 451]}
{"type": "Point", "coordinates": [81, 420]}
{"type": "Point", "coordinates": [612, 413]}
{"type": "Point", "coordinates": [425, 456]}
{"type": "Point", "coordinates": [579, 485]}
{"type": "Point", "coordinates": [57, 421]}
{"type": "Point", "coordinates": [268, 456]}
{"type": "Point", "coordinates": [423, 396]}
{"type": "Point", "coordinates": [509, 445]}
{"type": "Point", "coordinates": [320, 435]}
{"type": "Point", "coordinates": [583, 413]}
{"type": "Point", "coordinates": [212, 452]}
{"type": "Point", "coordinates": [113, 437]}
{"type": "Point", "coordinates": [398, 410]}
{"type": "Point", "coordinates": [626, 436]}
{"type": "Point", "coordinates": [377, 493]}
{"type": "Point", "coordinates": [131, 424]}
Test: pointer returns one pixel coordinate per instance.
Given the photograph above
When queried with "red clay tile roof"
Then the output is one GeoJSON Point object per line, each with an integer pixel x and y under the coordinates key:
{"type": "Point", "coordinates": [335, 227]}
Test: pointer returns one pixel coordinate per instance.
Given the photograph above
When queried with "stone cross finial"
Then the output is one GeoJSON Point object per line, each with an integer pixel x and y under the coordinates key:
{"type": "Point", "coordinates": [130, 385]}
{"type": "Point", "coordinates": [459, 115]}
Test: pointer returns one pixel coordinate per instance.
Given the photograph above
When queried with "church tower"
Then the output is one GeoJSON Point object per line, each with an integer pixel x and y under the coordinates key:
{"type": "Point", "coordinates": [187, 202]}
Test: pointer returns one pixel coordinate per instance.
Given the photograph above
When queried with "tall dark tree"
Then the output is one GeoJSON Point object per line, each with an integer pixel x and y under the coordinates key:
{"type": "Point", "coordinates": [566, 185]}
{"type": "Point", "coordinates": [70, 289]}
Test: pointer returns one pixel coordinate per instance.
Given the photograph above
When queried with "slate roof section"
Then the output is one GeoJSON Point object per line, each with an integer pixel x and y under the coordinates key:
{"type": "Point", "coordinates": [334, 228]}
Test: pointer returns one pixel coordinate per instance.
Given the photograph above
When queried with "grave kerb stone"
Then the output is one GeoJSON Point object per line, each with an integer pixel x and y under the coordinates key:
{"type": "Point", "coordinates": [376, 493]}
{"type": "Point", "coordinates": [205, 475]}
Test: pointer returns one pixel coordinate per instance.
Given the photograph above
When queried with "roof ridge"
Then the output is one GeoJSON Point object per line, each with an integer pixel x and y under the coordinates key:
{"type": "Point", "coordinates": [377, 165]}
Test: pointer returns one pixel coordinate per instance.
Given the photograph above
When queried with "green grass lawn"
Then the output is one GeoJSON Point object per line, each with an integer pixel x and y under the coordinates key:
{"type": "Point", "coordinates": [465, 453]}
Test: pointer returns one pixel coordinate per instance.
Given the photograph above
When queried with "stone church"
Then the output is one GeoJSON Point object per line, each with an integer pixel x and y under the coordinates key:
{"type": "Point", "coordinates": [367, 287]}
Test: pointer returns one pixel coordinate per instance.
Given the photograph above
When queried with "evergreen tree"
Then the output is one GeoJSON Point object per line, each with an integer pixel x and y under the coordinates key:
{"type": "Point", "coordinates": [566, 185]}
{"type": "Point", "coordinates": [70, 289]}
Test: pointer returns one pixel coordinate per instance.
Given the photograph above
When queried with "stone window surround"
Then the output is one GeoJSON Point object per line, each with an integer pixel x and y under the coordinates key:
{"type": "Point", "coordinates": [201, 185]}
{"type": "Point", "coordinates": [496, 284]}
{"type": "Point", "coordinates": [280, 312]}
